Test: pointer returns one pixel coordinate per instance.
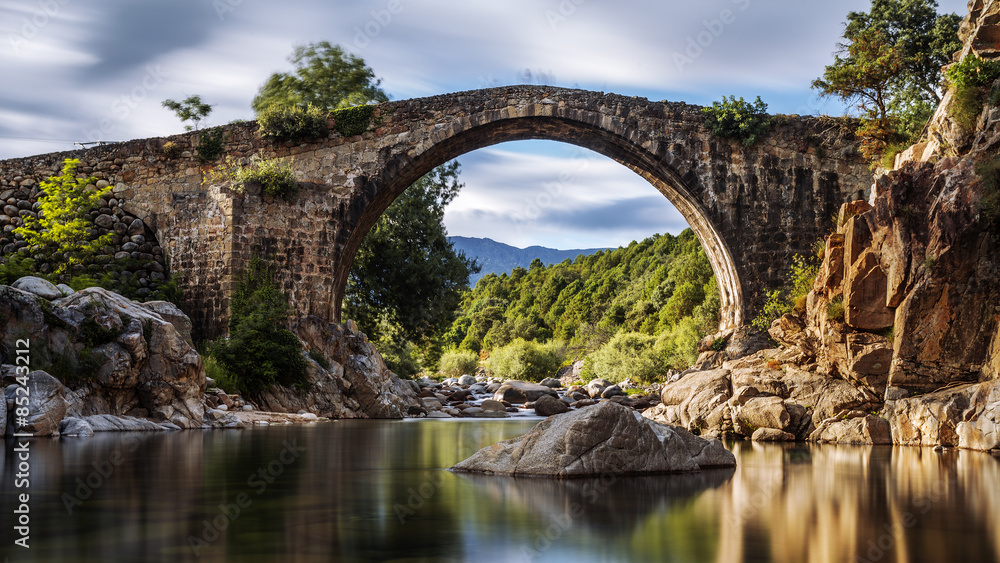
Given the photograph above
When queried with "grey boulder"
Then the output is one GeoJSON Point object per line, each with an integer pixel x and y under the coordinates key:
{"type": "Point", "coordinates": [603, 439]}
{"type": "Point", "coordinates": [40, 287]}
{"type": "Point", "coordinates": [517, 392]}
{"type": "Point", "coordinates": [547, 405]}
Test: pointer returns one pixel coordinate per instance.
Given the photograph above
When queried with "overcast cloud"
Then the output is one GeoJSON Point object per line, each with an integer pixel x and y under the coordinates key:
{"type": "Point", "coordinates": [98, 70]}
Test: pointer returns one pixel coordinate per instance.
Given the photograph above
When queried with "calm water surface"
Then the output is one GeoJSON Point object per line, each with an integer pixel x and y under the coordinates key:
{"type": "Point", "coordinates": [377, 491]}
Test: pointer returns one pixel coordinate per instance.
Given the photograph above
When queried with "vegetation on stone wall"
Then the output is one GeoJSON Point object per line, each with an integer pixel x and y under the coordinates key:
{"type": "Point", "coordinates": [65, 244]}
{"type": "Point", "coordinates": [735, 118]}
{"type": "Point", "coordinates": [62, 225]}
{"type": "Point", "coordinates": [292, 122]}
{"type": "Point", "coordinates": [273, 177]}
{"type": "Point", "coordinates": [354, 120]}
{"type": "Point", "coordinates": [260, 350]}
{"type": "Point", "coordinates": [210, 146]}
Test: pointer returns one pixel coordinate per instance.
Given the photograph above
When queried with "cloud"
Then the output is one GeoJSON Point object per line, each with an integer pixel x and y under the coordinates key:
{"type": "Point", "coordinates": [539, 192]}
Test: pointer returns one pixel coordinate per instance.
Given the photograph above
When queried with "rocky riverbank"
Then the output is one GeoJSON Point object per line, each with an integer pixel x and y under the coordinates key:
{"type": "Point", "coordinates": [100, 362]}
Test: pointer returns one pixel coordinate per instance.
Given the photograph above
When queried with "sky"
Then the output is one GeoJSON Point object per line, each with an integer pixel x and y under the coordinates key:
{"type": "Point", "coordinates": [78, 71]}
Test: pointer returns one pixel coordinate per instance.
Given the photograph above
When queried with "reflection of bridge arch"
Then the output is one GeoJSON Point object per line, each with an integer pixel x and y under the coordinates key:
{"type": "Point", "coordinates": [404, 169]}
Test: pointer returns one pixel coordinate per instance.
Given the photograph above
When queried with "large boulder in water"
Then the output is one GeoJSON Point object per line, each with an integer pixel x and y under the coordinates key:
{"type": "Point", "coordinates": [603, 439]}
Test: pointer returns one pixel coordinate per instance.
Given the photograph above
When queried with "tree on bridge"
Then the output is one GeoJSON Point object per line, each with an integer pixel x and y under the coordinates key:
{"type": "Point", "coordinates": [325, 77]}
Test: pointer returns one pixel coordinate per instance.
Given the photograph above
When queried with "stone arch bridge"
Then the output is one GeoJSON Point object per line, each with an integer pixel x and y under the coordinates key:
{"type": "Point", "coordinates": [752, 208]}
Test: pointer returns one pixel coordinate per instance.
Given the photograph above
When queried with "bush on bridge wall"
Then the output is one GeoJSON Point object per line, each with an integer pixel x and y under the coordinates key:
{"type": "Point", "coordinates": [735, 118]}
{"type": "Point", "coordinates": [275, 177]}
{"type": "Point", "coordinates": [285, 122]}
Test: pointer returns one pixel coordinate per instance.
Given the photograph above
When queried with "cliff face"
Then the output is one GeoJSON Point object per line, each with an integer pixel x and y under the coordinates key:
{"type": "Point", "coordinates": [907, 300]}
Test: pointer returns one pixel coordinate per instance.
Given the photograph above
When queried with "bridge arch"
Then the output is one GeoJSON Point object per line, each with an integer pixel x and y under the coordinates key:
{"type": "Point", "coordinates": [588, 131]}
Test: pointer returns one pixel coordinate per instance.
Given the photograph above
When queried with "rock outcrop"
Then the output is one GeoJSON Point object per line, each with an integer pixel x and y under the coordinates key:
{"type": "Point", "coordinates": [906, 304]}
{"type": "Point", "coordinates": [603, 439]}
{"type": "Point", "coordinates": [356, 383]}
{"type": "Point", "coordinates": [45, 405]}
{"type": "Point", "coordinates": [115, 356]}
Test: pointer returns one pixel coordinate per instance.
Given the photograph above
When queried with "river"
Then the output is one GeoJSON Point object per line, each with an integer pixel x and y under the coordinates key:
{"type": "Point", "coordinates": [351, 491]}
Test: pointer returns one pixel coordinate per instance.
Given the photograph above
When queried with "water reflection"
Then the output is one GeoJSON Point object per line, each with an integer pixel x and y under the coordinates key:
{"type": "Point", "coordinates": [379, 491]}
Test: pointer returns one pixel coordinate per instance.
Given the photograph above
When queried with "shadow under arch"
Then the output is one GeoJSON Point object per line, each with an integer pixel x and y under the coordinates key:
{"type": "Point", "coordinates": [402, 171]}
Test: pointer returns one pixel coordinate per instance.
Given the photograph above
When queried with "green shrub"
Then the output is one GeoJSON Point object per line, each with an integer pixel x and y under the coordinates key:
{"type": "Point", "coordinates": [276, 178]}
{"type": "Point", "coordinates": [319, 358]}
{"type": "Point", "coordinates": [793, 296]}
{"type": "Point", "coordinates": [292, 122]}
{"type": "Point", "coordinates": [629, 355]}
{"type": "Point", "coordinates": [260, 351]}
{"type": "Point", "coordinates": [223, 379]}
{"type": "Point", "coordinates": [16, 268]}
{"type": "Point", "coordinates": [735, 118]}
{"type": "Point", "coordinates": [458, 362]}
{"type": "Point", "coordinates": [398, 353]}
{"type": "Point", "coordinates": [524, 360]}
{"type": "Point", "coordinates": [353, 120]}
{"type": "Point", "coordinates": [719, 344]}
{"type": "Point", "coordinates": [210, 147]}
{"type": "Point", "coordinates": [970, 79]}
{"type": "Point", "coordinates": [678, 346]}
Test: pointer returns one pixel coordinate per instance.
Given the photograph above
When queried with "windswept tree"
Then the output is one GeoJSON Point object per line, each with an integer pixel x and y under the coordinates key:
{"type": "Point", "coordinates": [325, 77]}
{"type": "Point", "coordinates": [890, 65]}
{"type": "Point", "coordinates": [192, 109]}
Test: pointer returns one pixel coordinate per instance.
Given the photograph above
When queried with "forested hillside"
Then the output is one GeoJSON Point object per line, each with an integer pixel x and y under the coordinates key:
{"type": "Point", "coordinates": [636, 311]}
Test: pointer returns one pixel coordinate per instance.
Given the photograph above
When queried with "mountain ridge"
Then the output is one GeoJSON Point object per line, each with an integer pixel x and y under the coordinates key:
{"type": "Point", "coordinates": [497, 257]}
